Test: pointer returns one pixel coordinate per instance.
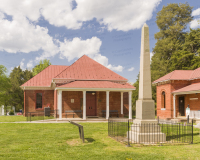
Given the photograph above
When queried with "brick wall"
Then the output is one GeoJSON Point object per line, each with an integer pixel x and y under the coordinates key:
{"type": "Point", "coordinates": [50, 96]}
{"type": "Point", "coordinates": [169, 88]}
{"type": "Point", "coordinates": [66, 102]}
{"type": "Point", "coordinates": [30, 96]}
{"type": "Point", "coordinates": [163, 114]}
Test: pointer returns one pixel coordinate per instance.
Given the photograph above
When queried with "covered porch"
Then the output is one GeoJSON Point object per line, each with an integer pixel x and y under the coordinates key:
{"type": "Point", "coordinates": [184, 97]}
{"type": "Point", "coordinates": [98, 100]}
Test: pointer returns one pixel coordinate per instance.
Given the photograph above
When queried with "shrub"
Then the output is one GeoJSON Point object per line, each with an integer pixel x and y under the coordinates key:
{"type": "Point", "coordinates": [11, 112]}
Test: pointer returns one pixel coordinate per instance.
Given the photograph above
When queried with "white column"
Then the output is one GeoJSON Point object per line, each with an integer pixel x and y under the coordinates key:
{"type": "Point", "coordinates": [84, 104]}
{"type": "Point", "coordinates": [60, 104]}
{"type": "Point", "coordinates": [2, 110]}
{"type": "Point", "coordinates": [130, 104]}
{"type": "Point", "coordinates": [174, 105]}
{"type": "Point", "coordinates": [121, 102]}
{"type": "Point", "coordinates": [107, 104]}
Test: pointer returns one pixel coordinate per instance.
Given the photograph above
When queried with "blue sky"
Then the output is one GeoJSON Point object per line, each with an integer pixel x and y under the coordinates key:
{"type": "Point", "coordinates": [63, 30]}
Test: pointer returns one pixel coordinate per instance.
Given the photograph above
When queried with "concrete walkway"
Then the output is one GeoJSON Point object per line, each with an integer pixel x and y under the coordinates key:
{"type": "Point", "coordinates": [66, 120]}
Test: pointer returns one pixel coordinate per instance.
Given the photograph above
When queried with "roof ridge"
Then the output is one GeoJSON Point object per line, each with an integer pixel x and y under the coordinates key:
{"type": "Point", "coordinates": [172, 73]}
{"type": "Point", "coordinates": [69, 66]}
{"type": "Point", "coordinates": [105, 67]}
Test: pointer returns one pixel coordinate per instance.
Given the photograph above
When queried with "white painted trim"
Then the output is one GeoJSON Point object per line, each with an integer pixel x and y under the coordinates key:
{"type": "Point", "coordinates": [163, 109]}
{"type": "Point", "coordinates": [122, 102]}
{"type": "Point", "coordinates": [84, 105]}
{"type": "Point", "coordinates": [174, 104]}
{"type": "Point", "coordinates": [95, 89]}
{"type": "Point", "coordinates": [171, 80]}
{"type": "Point", "coordinates": [36, 88]}
{"type": "Point", "coordinates": [188, 92]}
{"type": "Point", "coordinates": [60, 104]}
{"type": "Point", "coordinates": [107, 104]}
{"type": "Point", "coordinates": [130, 104]}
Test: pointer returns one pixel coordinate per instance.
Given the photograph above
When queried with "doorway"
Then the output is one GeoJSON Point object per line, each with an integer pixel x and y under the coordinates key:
{"type": "Point", "coordinates": [90, 103]}
{"type": "Point", "coordinates": [181, 106]}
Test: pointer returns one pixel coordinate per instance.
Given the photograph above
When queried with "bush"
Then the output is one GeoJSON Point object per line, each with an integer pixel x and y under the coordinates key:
{"type": "Point", "coordinates": [11, 112]}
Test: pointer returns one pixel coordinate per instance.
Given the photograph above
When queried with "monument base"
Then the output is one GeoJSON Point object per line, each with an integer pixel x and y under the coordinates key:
{"type": "Point", "coordinates": [145, 109]}
{"type": "Point", "coordinates": [146, 131]}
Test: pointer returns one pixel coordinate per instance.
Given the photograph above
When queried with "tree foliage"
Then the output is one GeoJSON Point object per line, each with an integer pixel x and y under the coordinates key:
{"type": "Point", "coordinates": [172, 21]}
{"type": "Point", "coordinates": [41, 66]}
{"type": "Point", "coordinates": [5, 87]}
{"type": "Point", "coordinates": [17, 78]}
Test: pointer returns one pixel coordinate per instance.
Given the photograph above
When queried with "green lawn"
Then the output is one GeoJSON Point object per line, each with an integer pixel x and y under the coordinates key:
{"type": "Point", "coordinates": [12, 118]}
{"type": "Point", "coordinates": [61, 141]}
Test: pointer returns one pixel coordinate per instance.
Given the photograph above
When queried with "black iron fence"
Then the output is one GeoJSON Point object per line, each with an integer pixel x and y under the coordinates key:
{"type": "Point", "coordinates": [165, 132]}
{"type": "Point", "coordinates": [41, 115]}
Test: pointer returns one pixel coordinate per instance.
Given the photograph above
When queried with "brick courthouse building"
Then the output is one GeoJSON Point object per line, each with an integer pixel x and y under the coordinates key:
{"type": "Point", "coordinates": [86, 85]}
{"type": "Point", "coordinates": [175, 91]}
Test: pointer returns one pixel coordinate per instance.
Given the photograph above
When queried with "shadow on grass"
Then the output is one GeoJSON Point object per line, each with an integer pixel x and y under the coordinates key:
{"type": "Point", "coordinates": [90, 140]}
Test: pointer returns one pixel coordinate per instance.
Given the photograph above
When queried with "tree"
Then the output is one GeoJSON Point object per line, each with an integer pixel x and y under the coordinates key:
{"type": "Point", "coordinates": [172, 20]}
{"type": "Point", "coordinates": [41, 66]}
{"type": "Point", "coordinates": [17, 78]}
{"type": "Point", "coordinates": [5, 87]}
{"type": "Point", "coordinates": [189, 56]}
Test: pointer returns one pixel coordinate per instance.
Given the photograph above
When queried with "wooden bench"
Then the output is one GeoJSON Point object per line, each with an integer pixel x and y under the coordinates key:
{"type": "Point", "coordinates": [73, 112]}
{"type": "Point", "coordinates": [110, 113]}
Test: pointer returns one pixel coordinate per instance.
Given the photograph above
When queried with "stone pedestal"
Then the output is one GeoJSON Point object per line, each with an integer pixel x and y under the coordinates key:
{"type": "Point", "coordinates": [146, 131]}
{"type": "Point", "coordinates": [145, 109]}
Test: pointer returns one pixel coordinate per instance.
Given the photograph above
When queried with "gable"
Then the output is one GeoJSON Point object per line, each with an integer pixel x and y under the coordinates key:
{"type": "Point", "coordinates": [86, 68]}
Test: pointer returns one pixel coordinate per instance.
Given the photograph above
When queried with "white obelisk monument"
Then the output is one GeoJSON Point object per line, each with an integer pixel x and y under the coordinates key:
{"type": "Point", "coordinates": [145, 106]}
{"type": "Point", "coordinates": [145, 128]}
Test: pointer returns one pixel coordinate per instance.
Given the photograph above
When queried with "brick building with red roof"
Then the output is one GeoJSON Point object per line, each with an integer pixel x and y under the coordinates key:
{"type": "Point", "coordinates": [85, 86]}
{"type": "Point", "coordinates": [175, 91]}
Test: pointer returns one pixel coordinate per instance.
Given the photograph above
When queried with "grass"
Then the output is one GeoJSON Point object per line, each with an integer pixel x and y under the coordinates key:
{"type": "Point", "coordinates": [12, 118]}
{"type": "Point", "coordinates": [61, 141]}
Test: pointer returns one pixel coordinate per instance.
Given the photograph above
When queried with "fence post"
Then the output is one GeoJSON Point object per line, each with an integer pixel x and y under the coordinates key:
{"type": "Point", "coordinates": [108, 127]}
{"type": "Point", "coordinates": [158, 119]}
{"type": "Point", "coordinates": [128, 135]}
{"type": "Point", "coordinates": [188, 119]}
{"type": "Point", "coordinates": [192, 131]}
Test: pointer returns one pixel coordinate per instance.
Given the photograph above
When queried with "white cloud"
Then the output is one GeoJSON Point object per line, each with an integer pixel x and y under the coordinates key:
{"type": "Point", "coordinates": [1, 15]}
{"type": "Point", "coordinates": [195, 23]}
{"type": "Point", "coordinates": [196, 12]}
{"type": "Point", "coordinates": [19, 35]}
{"type": "Point", "coordinates": [30, 64]}
{"type": "Point", "coordinates": [115, 14]}
{"type": "Point", "coordinates": [115, 68]}
{"type": "Point", "coordinates": [77, 47]}
{"type": "Point", "coordinates": [22, 64]}
{"type": "Point", "coordinates": [90, 47]}
{"type": "Point", "coordinates": [131, 69]}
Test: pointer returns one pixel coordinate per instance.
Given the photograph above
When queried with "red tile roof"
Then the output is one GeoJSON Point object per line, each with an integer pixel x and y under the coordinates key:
{"type": "Point", "coordinates": [44, 78]}
{"type": "Point", "coordinates": [176, 75]}
{"type": "Point", "coordinates": [192, 87]}
{"type": "Point", "coordinates": [195, 74]}
{"type": "Point", "coordinates": [86, 68]}
{"type": "Point", "coordinates": [96, 84]}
